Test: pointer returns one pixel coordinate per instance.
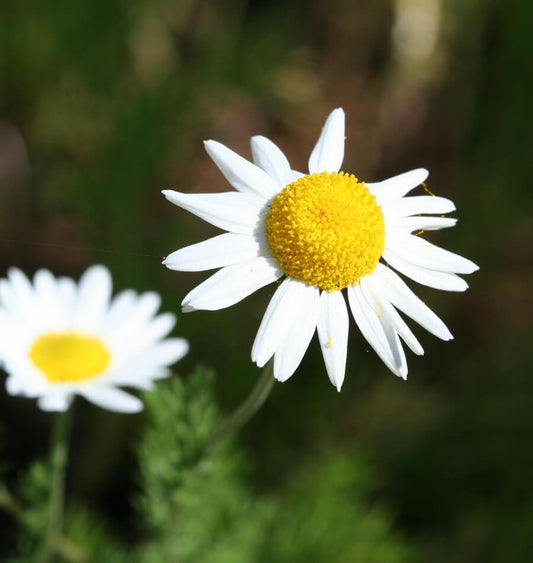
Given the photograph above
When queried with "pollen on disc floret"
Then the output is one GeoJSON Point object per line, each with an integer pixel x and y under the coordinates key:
{"type": "Point", "coordinates": [326, 229]}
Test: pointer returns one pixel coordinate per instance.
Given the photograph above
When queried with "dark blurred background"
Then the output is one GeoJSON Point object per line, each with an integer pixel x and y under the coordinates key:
{"type": "Point", "coordinates": [104, 103]}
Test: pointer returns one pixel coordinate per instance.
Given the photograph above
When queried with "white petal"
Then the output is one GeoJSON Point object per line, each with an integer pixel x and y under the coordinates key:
{"type": "Point", "coordinates": [121, 306]}
{"type": "Point", "coordinates": [158, 328]}
{"type": "Point", "coordinates": [111, 398]}
{"type": "Point", "coordinates": [92, 300]}
{"type": "Point", "coordinates": [232, 284]}
{"type": "Point", "coordinates": [417, 204]}
{"type": "Point", "coordinates": [278, 319]}
{"type": "Point", "coordinates": [223, 250]}
{"type": "Point", "coordinates": [17, 295]}
{"type": "Point", "coordinates": [129, 317]}
{"type": "Point", "coordinates": [422, 223]}
{"type": "Point", "coordinates": [271, 159]}
{"type": "Point", "coordinates": [15, 385]}
{"type": "Point", "coordinates": [20, 383]}
{"type": "Point", "coordinates": [230, 211]}
{"type": "Point", "coordinates": [422, 253]}
{"type": "Point", "coordinates": [240, 173]}
{"type": "Point", "coordinates": [167, 352]}
{"type": "Point", "coordinates": [398, 186]}
{"type": "Point", "coordinates": [21, 286]}
{"type": "Point", "coordinates": [55, 401]}
{"type": "Point", "coordinates": [379, 335]}
{"type": "Point", "coordinates": [378, 300]}
{"type": "Point", "coordinates": [138, 373]}
{"type": "Point", "coordinates": [48, 297]}
{"type": "Point", "coordinates": [404, 299]}
{"type": "Point", "coordinates": [328, 154]}
{"type": "Point", "coordinates": [333, 335]}
{"type": "Point", "coordinates": [292, 349]}
{"type": "Point", "coordinates": [67, 294]}
{"type": "Point", "coordinates": [425, 276]}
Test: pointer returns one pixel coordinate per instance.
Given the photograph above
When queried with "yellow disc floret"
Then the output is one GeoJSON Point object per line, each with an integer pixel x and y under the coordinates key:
{"type": "Point", "coordinates": [69, 357]}
{"type": "Point", "coordinates": [326, 229]}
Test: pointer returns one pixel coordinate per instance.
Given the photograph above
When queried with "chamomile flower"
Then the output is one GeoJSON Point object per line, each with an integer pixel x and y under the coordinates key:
{"type": "Point", "coordinates": [329, 237]}
{"type": "Point", "coordinates": [59, 339]}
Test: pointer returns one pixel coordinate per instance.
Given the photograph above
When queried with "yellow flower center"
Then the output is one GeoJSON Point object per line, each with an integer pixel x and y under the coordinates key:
{"type": "Point", "coordinates": [326, 229]}
{"type": "Point", "coordinates": [69, 357]}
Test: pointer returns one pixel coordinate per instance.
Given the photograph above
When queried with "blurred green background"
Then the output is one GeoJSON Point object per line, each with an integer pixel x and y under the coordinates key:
{"type": "Point", "coordinates": [104, 103]}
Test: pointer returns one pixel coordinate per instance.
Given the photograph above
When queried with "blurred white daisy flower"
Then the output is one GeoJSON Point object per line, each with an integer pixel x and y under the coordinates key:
{"type": "Point", "coordinates": [59, 339]}
{"type": "Point", "coordinates": [322, 232]}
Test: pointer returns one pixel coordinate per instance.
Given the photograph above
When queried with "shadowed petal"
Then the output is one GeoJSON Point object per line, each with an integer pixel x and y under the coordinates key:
{"type": "Point", "coordinates": [244, 176]}
{"type": "Point", "coordinates": [271, 159]}
{"type": "Point", "coordinates": [328, 154]}
{"type": "Point", "coordinates": [223, 250]}
{"type": "Point", "coordinates": [234, 212]}
{"type": "Point", "coordinates": [232, 284]}
{"type": "Point", "coordinates": [293, 347]}
{"type": "Point", "coordinates": [333, 335]}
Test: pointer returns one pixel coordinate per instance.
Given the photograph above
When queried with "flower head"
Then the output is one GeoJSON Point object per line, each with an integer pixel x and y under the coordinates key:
{"type": "Point", "coordinates": [327, 234]}
{"type": "Point", "coordinates": [59, 339]}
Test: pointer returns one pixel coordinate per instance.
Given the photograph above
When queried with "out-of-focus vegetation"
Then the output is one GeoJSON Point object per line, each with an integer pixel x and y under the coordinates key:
{"type": "Point", "coordinates": [104, 103]}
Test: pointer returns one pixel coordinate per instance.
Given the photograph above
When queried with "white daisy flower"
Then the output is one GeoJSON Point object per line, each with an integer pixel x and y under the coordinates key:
{"type": "Point", "coordinates": [59, 339]}
{"type": "Point", "coordinates": [323, 232]}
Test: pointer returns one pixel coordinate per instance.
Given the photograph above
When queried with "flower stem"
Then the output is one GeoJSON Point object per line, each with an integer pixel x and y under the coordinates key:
{"type": "Point", "coordinates": [10, 504]}
{"type": "Point", "coordinates": [58, 461]}
{"type": "Point", "coordinates": [246, 410]}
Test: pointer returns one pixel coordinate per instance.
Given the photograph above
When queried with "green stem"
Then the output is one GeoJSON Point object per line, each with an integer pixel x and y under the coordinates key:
{"type": "Point", "coordinates": [66, 548]}
{"type": "Point", "coordinates": [10, 504]}
{"type": "Point", "coordinates": [246, 410]}
{"type": "Point", "coordinates": [58, 461]}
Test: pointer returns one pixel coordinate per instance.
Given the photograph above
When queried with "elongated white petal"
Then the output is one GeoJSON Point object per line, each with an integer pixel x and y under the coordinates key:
{"type": "Point", "coordinates": [271, 159]}
{"type": "Point", "coordinates": [157, 329]}
{"type": "Point", "coordinates": [425, 276]}
{"type": "Point", "coordinates": [223, 250]}
{"type": "Point", "coordinates": [167, 352]}
{"type": "Point", "coordinates": [277, 319]}
{"type": "Point", "coordinates": [21, 287]}
{"type": "Point", "coordinates": [232, 284]}
{"type": "Point", "coordinates": [293, 347]}
{"type": "Point", "coordinates": [417, 204]}
{"type": "Point", "coordinates": [129, 321]}
{"type": "Point", "coordinates": [244, 176]}
{"type": "Point", "coordinates": [55, 402]}
{"type": "Point", "coordinates": [121, 306]}
{"type": "Point", "coordinates": [422, 223]}
{"type": "Point", "coordinates": [404, 299]}
{"type": "Point", "coordinates": [46, 294]}
{"type": "Point", "coordinates": [399, 362]}
{"type": "Point", "coordinates": [379, 301]}
{"type": "Point", "coordinates": [328, 154]}
{"type": "Point", "coordinates": [92, 299]}
{"type": "Point", "coordinates": [234, 212]}
{"type": "Point", "coordinates": [17, 296]}
{"type": "Point", "coordinates": [67, 292]}
{"type": "Point", "coordinates": [379, 335]}
{"type": "Point", "coordinates": [111, 398]}
{"type": "Point", "coordinates": [333, 335]}
{"type": "Point", "coordinates": [422, 253]}
{"type": "Point", "coordinates": [398, 186]}
{"type": "Point", "coordinates": [17, 384]}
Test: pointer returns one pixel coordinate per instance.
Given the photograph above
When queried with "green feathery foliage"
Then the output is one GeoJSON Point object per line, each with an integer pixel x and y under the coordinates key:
{"type": "Point", "coordinates": [34, 492]}
{"type": "Point", "coordinates": [194, 500]}
{"type": "Point", "coordinates": [196, 503]}
{"type": "Point", "coordinates": [199, 507]}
